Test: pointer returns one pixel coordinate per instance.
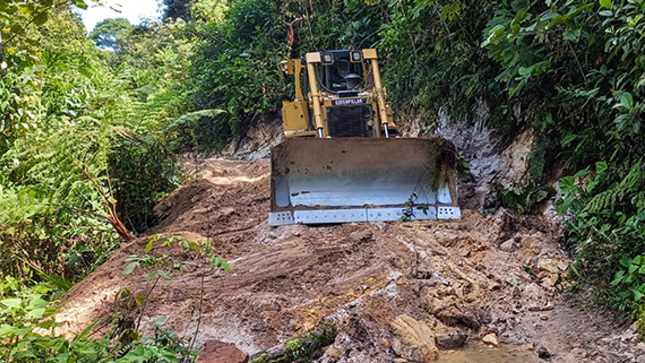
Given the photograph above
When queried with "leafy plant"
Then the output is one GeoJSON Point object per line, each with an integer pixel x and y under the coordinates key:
{"type": "Point", "coordinates": [27, 325]}
{"type": "Point", "coordinates": [631, 278]}
{"type": "Point", "coordinates": [128, 324]}
{"type": "Point", "coordinates": [523, 198]}
{"type": "Point", "coordinates": [463, 167]}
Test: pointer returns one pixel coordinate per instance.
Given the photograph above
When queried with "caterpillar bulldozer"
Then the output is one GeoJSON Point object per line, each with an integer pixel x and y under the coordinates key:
{"type": "Point", "coordinates": [343, 159]}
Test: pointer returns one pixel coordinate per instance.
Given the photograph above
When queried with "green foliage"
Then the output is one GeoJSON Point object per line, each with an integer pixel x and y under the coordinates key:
{"type": "Point", "coordinates": [142, 170]}
{"type": "Point", "coordinates": [48, 136]}
{"type": "Point", "coordinates": [237, 67]}
{"type": "Point", "coordinates": [209, 10]}
{"type": "Point", "coordinates": [463, 167]}
{"type": "Point", "coordinates": [83, 150]}
{"type": "Point", "coordinates": [434, 59]}
{"type": "Point", "coordinates": [27, 327]}
{"type": "Point", "coordinates": [632, 280]}
{"type": "Point", "coordinates": [204, 131]}
{"type": "Point", "coordinates": [263, 358]}
{"type": "Point", "coordinates": [106, 34]}
{"type": "Point", "coordinates": [19, 41]}
{"type": "Point", "coordinates": [163, 265]}
{"type": "Point", "coordinates": [583, 61]}
{"type": "Point", "coordinates": [307, 346]}
{"type": "Point", "coordinates": [524, 198]}
{"type": "Point", "coordinates": [177, 9]}
{"type": "Point", "coordinates": [27, 323]}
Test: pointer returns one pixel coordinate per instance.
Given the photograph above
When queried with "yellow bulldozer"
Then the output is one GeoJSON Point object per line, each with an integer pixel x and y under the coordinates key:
{"type": "Point", "coordinates": [343, 159]}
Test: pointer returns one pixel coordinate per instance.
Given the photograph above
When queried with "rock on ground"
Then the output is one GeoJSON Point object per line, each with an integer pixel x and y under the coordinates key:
{"type": "Point", "coordinates": [414, 340]}
{"type": "Point", "coordinates": [451, 341]}
{"type": "Point", "coordinates": [216, 351]}
{"type": "Point", "coordinates": [491, 339]}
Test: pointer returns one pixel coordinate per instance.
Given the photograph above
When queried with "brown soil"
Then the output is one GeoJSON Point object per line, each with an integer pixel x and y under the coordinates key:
{"type": "Point", "coordinates": [289, 279]}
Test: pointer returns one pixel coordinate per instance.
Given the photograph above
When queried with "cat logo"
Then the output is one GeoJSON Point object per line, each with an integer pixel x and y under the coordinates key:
{"type": "Point", "coordinates": [348, 101]}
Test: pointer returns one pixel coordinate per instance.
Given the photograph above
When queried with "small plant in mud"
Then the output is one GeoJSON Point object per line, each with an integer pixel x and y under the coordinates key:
{"type": "Point", "coordinates": [127, 322]}
{"type": "Point", "coordinates": [409, 208]}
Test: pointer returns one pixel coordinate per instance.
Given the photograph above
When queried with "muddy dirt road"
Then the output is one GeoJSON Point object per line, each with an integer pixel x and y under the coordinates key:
{"type": "Point", "coordinates": [477, 276]}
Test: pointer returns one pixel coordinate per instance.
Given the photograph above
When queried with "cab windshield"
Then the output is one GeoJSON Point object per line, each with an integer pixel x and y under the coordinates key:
{"type": "Point", "coordinates": [342, 75]}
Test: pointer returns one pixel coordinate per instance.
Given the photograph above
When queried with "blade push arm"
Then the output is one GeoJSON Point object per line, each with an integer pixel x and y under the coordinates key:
{"type": "Point", "coordinates": [370, 54]}
{"type": "Point", "coordinates": [315, 96]}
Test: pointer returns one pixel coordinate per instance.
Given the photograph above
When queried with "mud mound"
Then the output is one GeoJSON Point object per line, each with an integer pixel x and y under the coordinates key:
{"type": "Point", "coordinates": [475, 276]}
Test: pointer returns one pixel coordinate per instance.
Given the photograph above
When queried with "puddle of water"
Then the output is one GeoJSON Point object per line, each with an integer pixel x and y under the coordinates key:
{"type": "Point", "coordinates": [480, 353]}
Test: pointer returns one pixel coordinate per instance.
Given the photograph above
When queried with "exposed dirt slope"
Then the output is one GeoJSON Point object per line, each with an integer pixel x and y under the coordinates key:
{"type": "Point", "coordinates": [477, 275]}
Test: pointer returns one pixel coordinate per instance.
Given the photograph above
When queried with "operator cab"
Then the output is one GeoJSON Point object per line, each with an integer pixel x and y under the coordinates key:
{"type": "Point", "coordinates": [341, 73]}
{"type": "Point", "coordinates": [343, 97]}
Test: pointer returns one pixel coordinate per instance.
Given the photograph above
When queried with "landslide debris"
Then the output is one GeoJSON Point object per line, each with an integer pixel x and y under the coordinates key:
{"type": "Point", "coordinates": [393, 290]}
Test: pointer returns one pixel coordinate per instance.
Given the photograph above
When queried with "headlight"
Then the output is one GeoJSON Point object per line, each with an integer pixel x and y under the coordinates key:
{"type": "Point", "coordinates": [357, 56]}
{"type": "Point", "coordinates": [327, 58]}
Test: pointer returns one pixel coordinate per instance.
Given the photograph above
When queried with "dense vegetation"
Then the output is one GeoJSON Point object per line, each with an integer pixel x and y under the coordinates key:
{"type": "Point", "coordinates": [90, 124]}
{"type": "Point", "coordinates": [85, 153]}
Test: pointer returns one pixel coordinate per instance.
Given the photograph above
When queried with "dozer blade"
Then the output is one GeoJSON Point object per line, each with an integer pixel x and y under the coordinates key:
{"type": "Point", "coordinates": [338, 180]}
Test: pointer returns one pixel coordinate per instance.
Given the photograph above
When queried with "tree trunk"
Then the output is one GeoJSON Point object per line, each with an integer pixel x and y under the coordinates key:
{"type": "Point", "coordinates": [120, 227]}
